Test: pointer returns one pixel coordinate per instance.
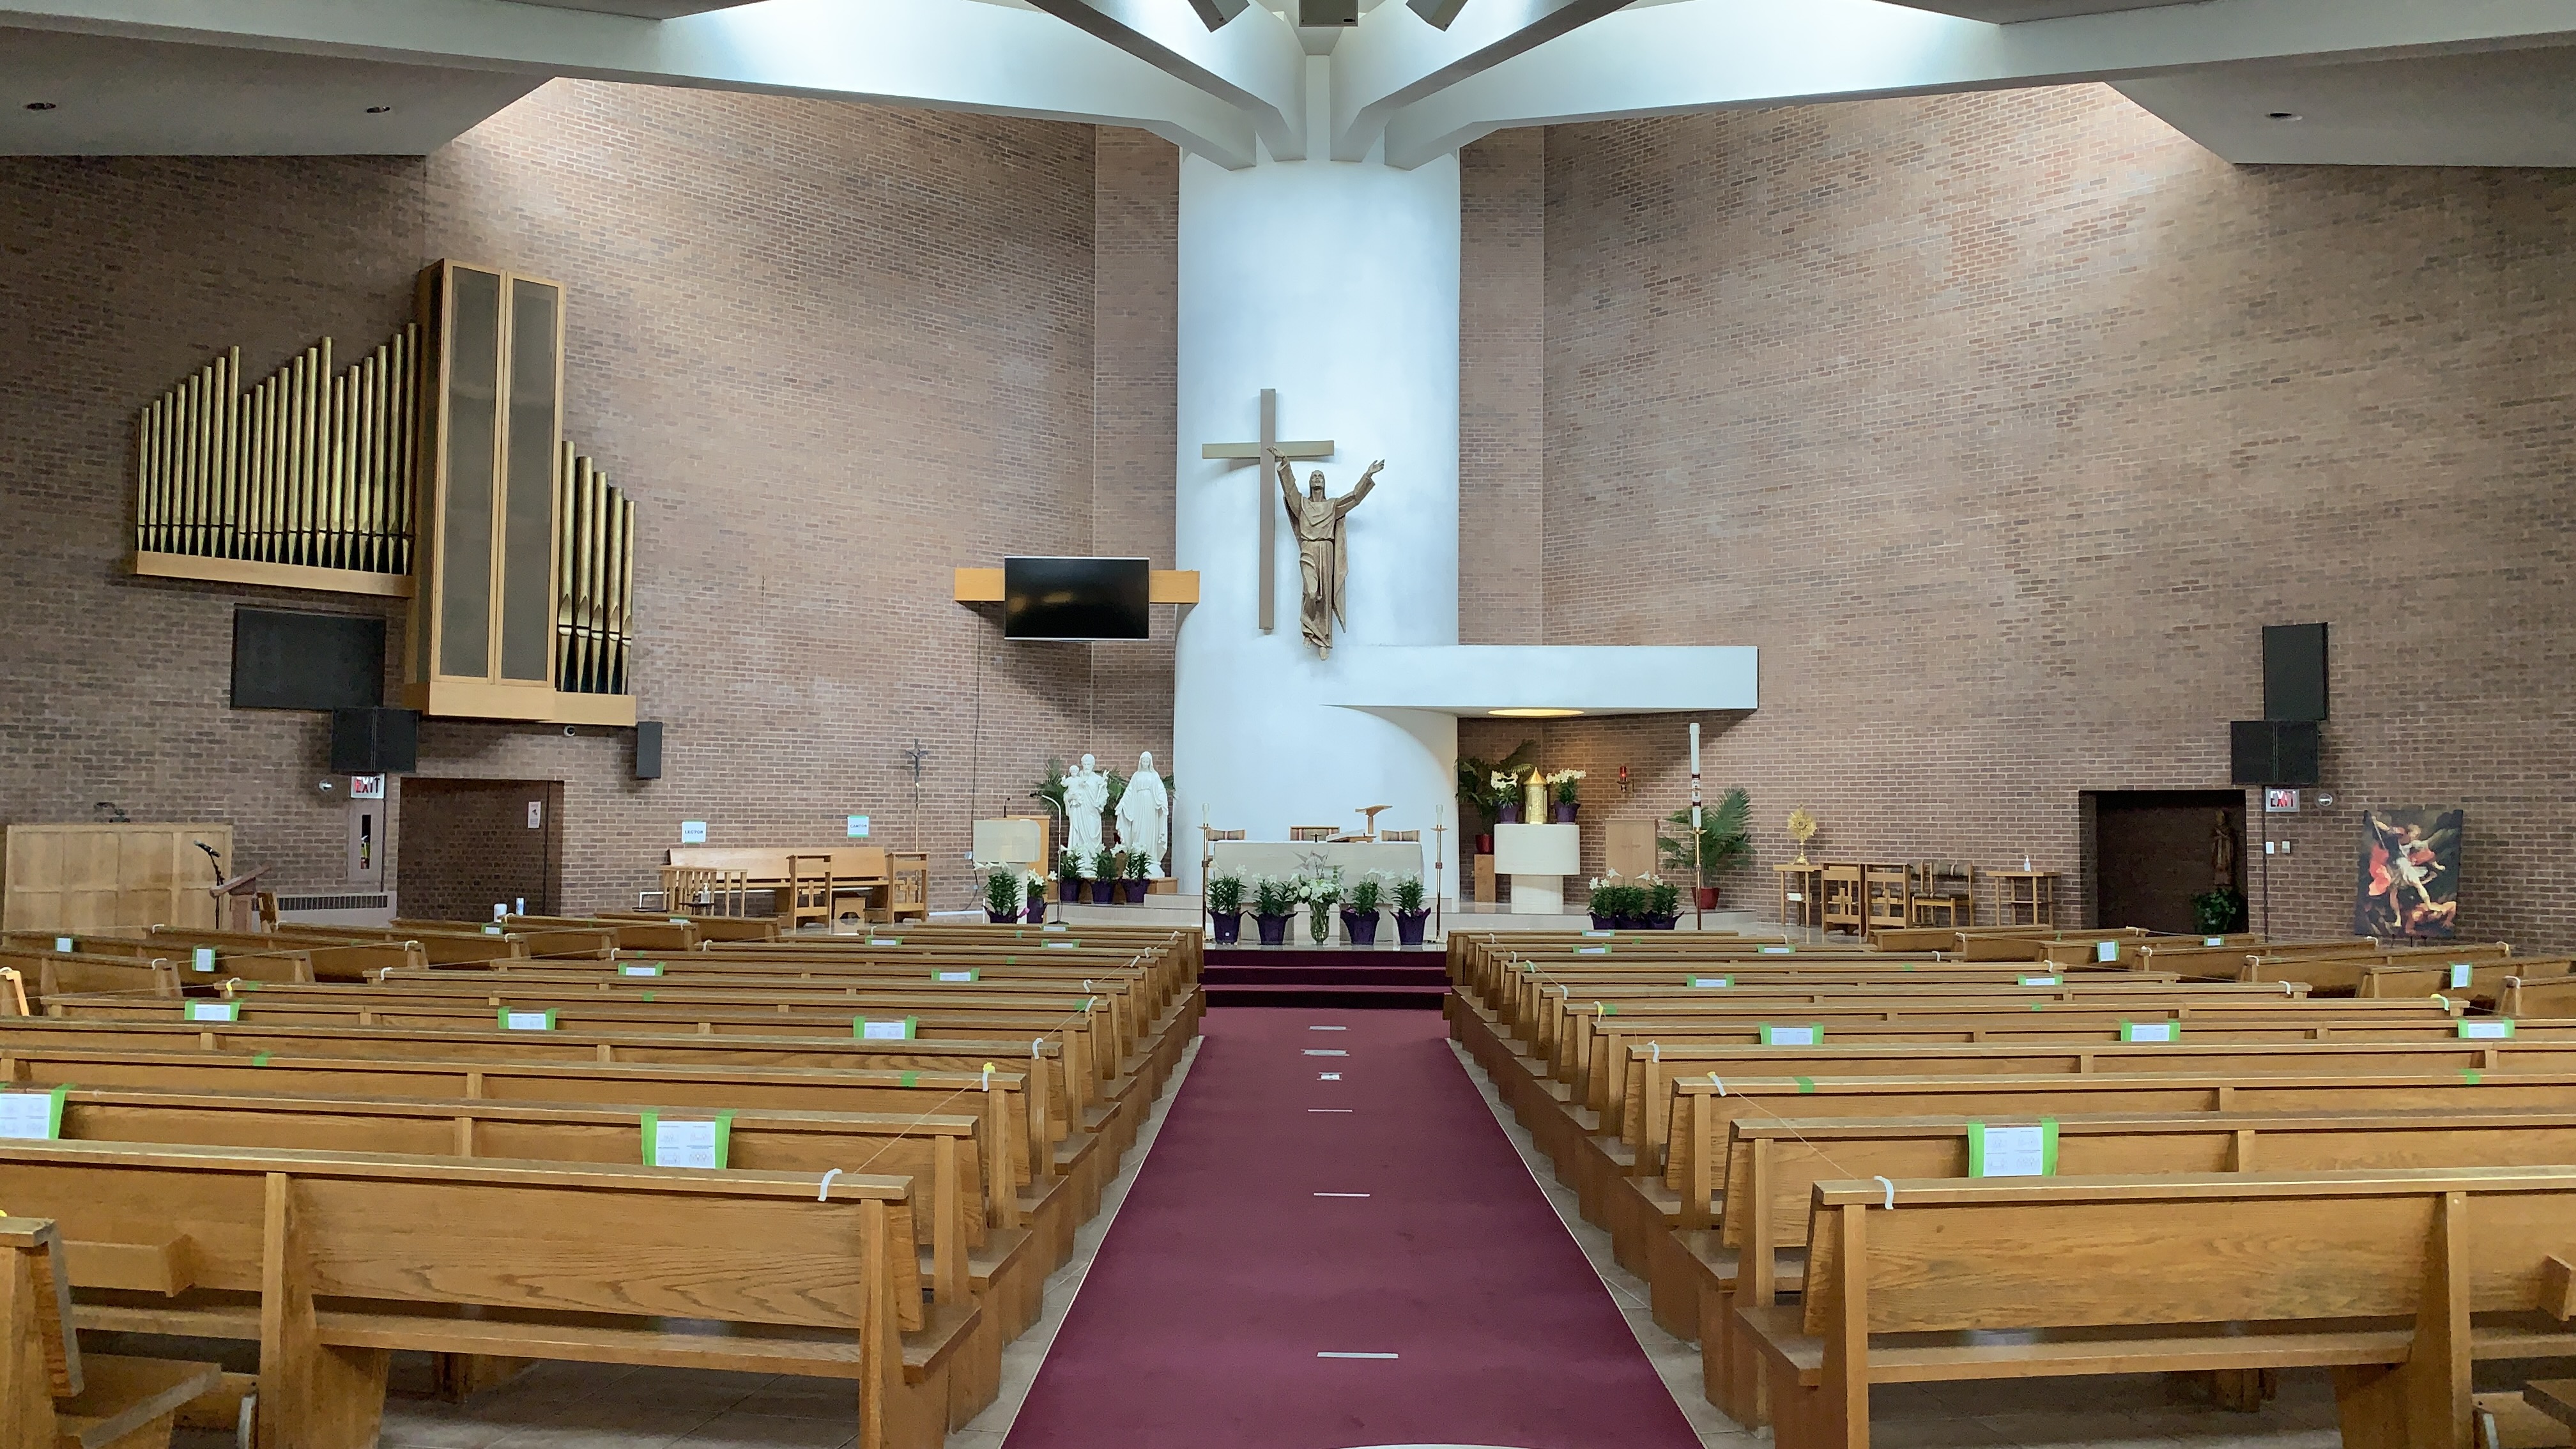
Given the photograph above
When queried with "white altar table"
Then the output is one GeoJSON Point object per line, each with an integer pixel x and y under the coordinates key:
{"type": "Point", "coordinates": [1287, 858]}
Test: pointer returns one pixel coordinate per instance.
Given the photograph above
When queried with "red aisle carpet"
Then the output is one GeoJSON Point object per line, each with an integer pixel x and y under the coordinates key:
{"type": "Point", "coordinates": [1225, 1275]}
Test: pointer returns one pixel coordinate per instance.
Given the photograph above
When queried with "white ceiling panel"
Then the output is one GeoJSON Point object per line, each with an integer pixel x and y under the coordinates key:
{"type": "Point", "coordinates": [2007, 12]}
{"type": "Point", "coordinates": [643, 9]}
{"type": "Point", "coordinates": [2501, 108]}
{"type": "Point", "coordinates": [117, 97]}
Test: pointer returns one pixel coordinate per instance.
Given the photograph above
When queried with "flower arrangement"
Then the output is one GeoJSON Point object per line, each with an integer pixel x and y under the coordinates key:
{"type": "Point", "coordinates": [1368, 894]}
{"type": "Point", "coordinates": [1073, 865]}
{"type": "Point", "coordinates": [1616, 898]}
{"type": "Point", "coordinates": [1408, 895]}
{"type": "Point", "coordinates": [1225, 894]}
{"type": "Point", "coordinates": [1109, 864]}
{"type": "Point", "coordinates": [1320, 893]}
{"type": "Point", "coordinates": [1566, 784]}
{"type": "Point", "coordinates": [1663, 900]}
{"type": "Point", "coordinates": [1273, 897]}
{"type": "Point", "coordinates": [1002, 893]}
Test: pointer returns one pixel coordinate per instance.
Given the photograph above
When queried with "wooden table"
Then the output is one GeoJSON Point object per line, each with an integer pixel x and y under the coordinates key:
{"type": "Point", "coordinates": [2024, 897]}
{"type": "Point", "coordinates": [1799, 887]}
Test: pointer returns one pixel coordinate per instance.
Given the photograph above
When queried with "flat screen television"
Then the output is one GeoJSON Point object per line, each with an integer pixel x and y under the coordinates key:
{"type": "Point", "coordinates": [1075, 598]}
{"type": "Point", "coordinates": [287, 660]}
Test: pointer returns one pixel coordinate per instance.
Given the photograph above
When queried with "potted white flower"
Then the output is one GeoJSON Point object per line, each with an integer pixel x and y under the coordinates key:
{"type": "Point", "coordinates": [1565, 788]}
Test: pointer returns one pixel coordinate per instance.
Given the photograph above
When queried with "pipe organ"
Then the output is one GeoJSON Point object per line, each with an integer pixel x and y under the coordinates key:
{"type": "Point", "coordinates": [435, 468]}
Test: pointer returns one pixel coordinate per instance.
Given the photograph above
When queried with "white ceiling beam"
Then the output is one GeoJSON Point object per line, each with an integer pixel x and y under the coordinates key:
{"type": "Point", "coordinates": [1394, 57]}
{"type": "Point", "coordinates": [936, 54]}
{"type": "Point", "coordinates": [1715, 54]}
{"type": "Point", "coordinates": [1253, 62]}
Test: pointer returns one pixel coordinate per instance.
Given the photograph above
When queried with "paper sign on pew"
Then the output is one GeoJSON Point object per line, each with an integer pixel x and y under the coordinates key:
{"type": "Point", "coordinates": [2043, 981]}
{"type": "Point", "coordinates": [1711, 981]}
{"type": "Point", "coordinates": [2164, 1031]}
{"type": "Point", "coordinates": [966, 975]}
{"type": "Point", "coordinates": [63, 944]}
{"type": "Point", "coordinates": [2106, 950]}
{"type": "Point", "coordinates": [902, 1030]}
{"type": "Point", "coordinates": [2460, 973]}
{"type": "Point", "coordinates": [527, 1020]}
{"type": "Point", "coordinates": [32, 1116]}
{"type": "Point", "coordinates": [202, 958]}
{"type": "Point", "coordinates": [213, 1011]}
{"type": "Point", "coordinates": [2493, 1028]}
{"type": "Point", "coordinates": [2026, 1150]}
{"type": "Point", "coordinates": [688, 1141]}
{"type": "Point", "coordinates": [640, 968]}
{"type": "Point", "coordinates": [1812, 1034]}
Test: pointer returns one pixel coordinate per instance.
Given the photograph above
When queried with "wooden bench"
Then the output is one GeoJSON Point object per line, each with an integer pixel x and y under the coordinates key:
{"type": "Point", "coordinates": [53, 973]}
{"type": "Point", "coordinates": [2374, 1275]}
{"type": "Point", "coordinates": [578, 942]}
{"type": "Point", "coordinates": [273, 963]}
{"type": "Point", "coordinates": [332, 1260]}
{"type": "Point", "coordinates": [54, 1396]}
{"type": "Point", "coordinates": [1774, 1166]}
{"type": "Point", "coordinates": [710, 927]}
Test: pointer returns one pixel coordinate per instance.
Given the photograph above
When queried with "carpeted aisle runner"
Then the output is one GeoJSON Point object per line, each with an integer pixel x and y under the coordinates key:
{"type": "Point", "coordinates": [1226, 1275]}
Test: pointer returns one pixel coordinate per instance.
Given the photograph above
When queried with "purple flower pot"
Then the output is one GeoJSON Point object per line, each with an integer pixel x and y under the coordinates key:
{"type": "Point", "coordinates": [1408, 927]}
{"type": "Point", "coordinates": [1000, 917]}
{"type": "Point", "coordinates": [1565, 812]}
{"type": "Point", "coordinates": [1507, 815]}
{"type": "Point", "coordinates": [1360, 927]}
{"type": "Point", "coordinates": [1037, 908]}
{"type": "Point", "coordinates": [1274, 929]}
{"type": "Point", "coordinates": [1135, 892]}
{"type": "Point", "coordinates": [1104, 892]}
{"type": "Point", "coordinates": [1229, 927]}
{"type": "Point", "coordinates": [1661, 923]}
{"type": "Point", "coordinates": [1601, 922]}
{"type": "Point", "coordinates": [1069, 889]}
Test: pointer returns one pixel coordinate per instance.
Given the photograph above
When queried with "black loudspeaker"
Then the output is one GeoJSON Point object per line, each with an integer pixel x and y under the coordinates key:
{"type": "Point", "coordinates": [2273, 751]}
{"type": "Point", "coordinates": [648, 749]}
{"type": "Point", "coordinates": [375, 741]}
{"type": "Point", "coordinates": [2294, 671]}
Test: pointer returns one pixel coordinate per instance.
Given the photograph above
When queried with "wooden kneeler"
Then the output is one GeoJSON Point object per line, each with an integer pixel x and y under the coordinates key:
{"type": "Point", "coordinates": [53, 1395]}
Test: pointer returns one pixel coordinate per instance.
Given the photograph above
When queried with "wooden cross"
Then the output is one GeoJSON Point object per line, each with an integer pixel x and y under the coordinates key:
{"type": "Point", "coordinates": [1266, 452]}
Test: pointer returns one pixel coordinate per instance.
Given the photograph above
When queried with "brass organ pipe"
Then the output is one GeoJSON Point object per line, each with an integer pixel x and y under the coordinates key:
{"type": "Point", "coordinates": [188, 510]}
{"type": "Point", "coordinates": [184, 473]}
{"type": "Point", "coordinates": [228, 504]}
{"type": "Point", "coordinates": [585, 594]}
{"type": "Point", "coordinates": [565, 531]}
{"type": "Point", "coordinates": [625, 596]}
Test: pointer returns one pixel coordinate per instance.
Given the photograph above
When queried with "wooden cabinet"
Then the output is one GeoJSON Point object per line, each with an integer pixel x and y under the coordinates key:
{"type": "Point", "coordinates": [100, 877]}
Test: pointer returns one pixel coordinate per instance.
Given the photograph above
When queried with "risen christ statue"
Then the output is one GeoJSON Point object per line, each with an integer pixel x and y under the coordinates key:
{"type": "Point", "coordinates": [1323, 548]}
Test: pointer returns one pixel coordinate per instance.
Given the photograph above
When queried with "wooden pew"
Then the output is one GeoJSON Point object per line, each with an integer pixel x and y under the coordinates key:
{"type": "Point", "coordinates": [2478, 982]}
{"type": "Point", "coordinates": [275, 963]}
{"type": "Point", "coordinates": [54, 1396]}
{"type": "Point", "coordinates": [2342, 975]}
{"type": "Point", "coordinates": [54, 973]}
{"type": "Point", "coordinates": [573, 943]}
{"type": "Point", "coordinates": [2373, 1274]}
{"type": "Point", "coordinates": [710, 927]}
{"type": "Point", "coordinates": [1774, 1166]}
{"type": "Point", "coordinates": [726, 1270]}
{"type": "Point", "coordinates": [660, 933]}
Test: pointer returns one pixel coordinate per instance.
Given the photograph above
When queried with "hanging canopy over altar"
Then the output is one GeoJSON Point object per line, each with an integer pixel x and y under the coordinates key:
{"type": "Point", "coordinates": [1355, 858]}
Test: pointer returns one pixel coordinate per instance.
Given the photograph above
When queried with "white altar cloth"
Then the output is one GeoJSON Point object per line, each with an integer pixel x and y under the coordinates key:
{"type": "Point", "coordinates": [1286, 858]}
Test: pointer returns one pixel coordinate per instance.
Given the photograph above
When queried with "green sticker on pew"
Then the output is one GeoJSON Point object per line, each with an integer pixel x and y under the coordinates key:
{"type": "Point", "coordinates": [647, 996]}
{"type": "Point", "coordinates": [2020, 1150]}
{"type": "Point", "coordinates": [2470, 1077]}
{"type": "Point", "coordinates": [237, 987]}
{"type": "Point", "coordinates": [2164, 1031]}
{"type": "Point", "coordinates": [1812, 1034]}
{"type": "Point", "coordinates": [514, 1019]}
{"type": "Point", "coordinates": [1591, 950]}
{"type": "Point", "coordinates": [687, 1141]}
{"type": "Point", "coordinates": [1062, 945]}
{"type": "Point", "coordinates": [904, 1029]}
{"type": "Point", "coordinates": [1010, 960]}
{"type": "Point", "coordinates": [1776, 950]}
{"type": "Point", "coordinates": [33, 1116]}
{"type": "Point", "coordinates": [1710, 981]}
{"type": "Point", "coordinates": [2492, 1028]}
{"type": "Point", "coordinates": [640, 968]}
{"type": "Point", "coordinates": [1603, 1008]}
{"type": "Point", "coordinates": [2043, 981]}
{"type": "Point", "coordinates": [911, 1079]}
{"type": "Point", "coordinates": [885, 940]}
{"type": "Point", "coordinates": [968, 975]}
{"type": "Point", "coordinates": [1806, 1086]}
{"type": "Point", "coordinates": [259, 1059]}
{"type": "Point", "coordinates": [213, 1011]}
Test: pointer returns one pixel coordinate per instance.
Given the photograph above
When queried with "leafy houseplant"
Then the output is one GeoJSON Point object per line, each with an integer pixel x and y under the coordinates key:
{"type": "Point", "coordinates": [1663, 903]}
{"type": "Point", "coordinates": [2220, 912]}
{"type": "Point", "coordinates": [1002, 895]}
{"type": "Point", "coordinates": [1106, 868]}
{"type": "Point", "coordinates": [1616, 903]}
{"type": "Point", "coordinates": [1033, 890]}
{"type": "Point", "coordinates": [1274, 905]}
{"type": "Point", "coordinates": [1071, 870]}
{"type": "Point", "coordinates": [1225, 907]}
{"type": "Point", "coordinates": [1565, 789]}
{"type": "Point", "coordinates": [1359, 913]}
{"type": "Point", "coordinates": [1410, 912]}
{"type": "Point", "coordinates": [1723, 842]}
{"type": "Point", "coordinates": [1133, 864]}
{"type": "Point", "coordinates": [1476, 788]}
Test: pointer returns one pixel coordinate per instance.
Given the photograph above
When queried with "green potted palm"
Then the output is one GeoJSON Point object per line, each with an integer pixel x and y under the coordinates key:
{"type": "Point", "coordinates": [1410, 912]}
{"type": "Point", "coordinates": [1359, 911]}
{"type": "Point", "coordinates": [1106, 868]}
{"type": "Point", "coordinates": [1274, 905]}
{"type": "Point", "coordinates": [1722, 843]}
{"type": "Point", "coordinates": [1477, 790]}
{"type": "Point", "coordinates": [1225, 907]}
{"type": "Point", "coordinates": [1002, 895]}
{"type": "Point", "coordinates": [1135, 864]}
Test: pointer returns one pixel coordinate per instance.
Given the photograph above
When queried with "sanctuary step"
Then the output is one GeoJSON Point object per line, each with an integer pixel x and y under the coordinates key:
{"type": "Point", "coordinates": [1325, 976]}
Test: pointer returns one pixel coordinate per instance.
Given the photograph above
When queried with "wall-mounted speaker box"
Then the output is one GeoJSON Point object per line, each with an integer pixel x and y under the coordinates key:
{"type": "Point", "coordinates": [2273, 751]}
{"type": "Point", "coordinates": [375, 741]}
{"type": "Point", "coordinates": [2294, 671]}
{"type": "Point", "coordinates": [648, 749]}
{"type": "Point", "coordinates": [284, 659]}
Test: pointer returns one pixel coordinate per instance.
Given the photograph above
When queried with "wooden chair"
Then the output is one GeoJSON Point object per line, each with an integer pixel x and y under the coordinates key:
{"type": "Point", "coordinates": [908, 887]}
{"type": "Point", "coordinates": [1843, 906]}
{"type": "Point", "coordinates": [810, 892]}
{"type": "Point", "coordinates": [53, 1396]}
{"type": "Point", "coordinates": [686, 887]}
{"type": "Point", "coordinates": [1312, 834]}
{"type": "Point", "coordinates": [1944, 895]}
{"type": "Point", "coordinates": [1886, 890]}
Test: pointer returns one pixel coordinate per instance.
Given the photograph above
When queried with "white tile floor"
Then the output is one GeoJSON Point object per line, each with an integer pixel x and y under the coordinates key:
{"type": "Point", "coordinates": [588, 1406]}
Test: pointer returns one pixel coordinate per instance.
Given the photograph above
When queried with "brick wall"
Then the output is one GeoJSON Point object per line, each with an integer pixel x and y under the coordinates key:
{"type": "Point", "coordinates": [2001, 423]}
{"type": "Point", "coordinates": [831, 351]}
{"type": "Point", "coordinates": [1502, 365]}
{"type": "Point", "coordinates": [468, 846]}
